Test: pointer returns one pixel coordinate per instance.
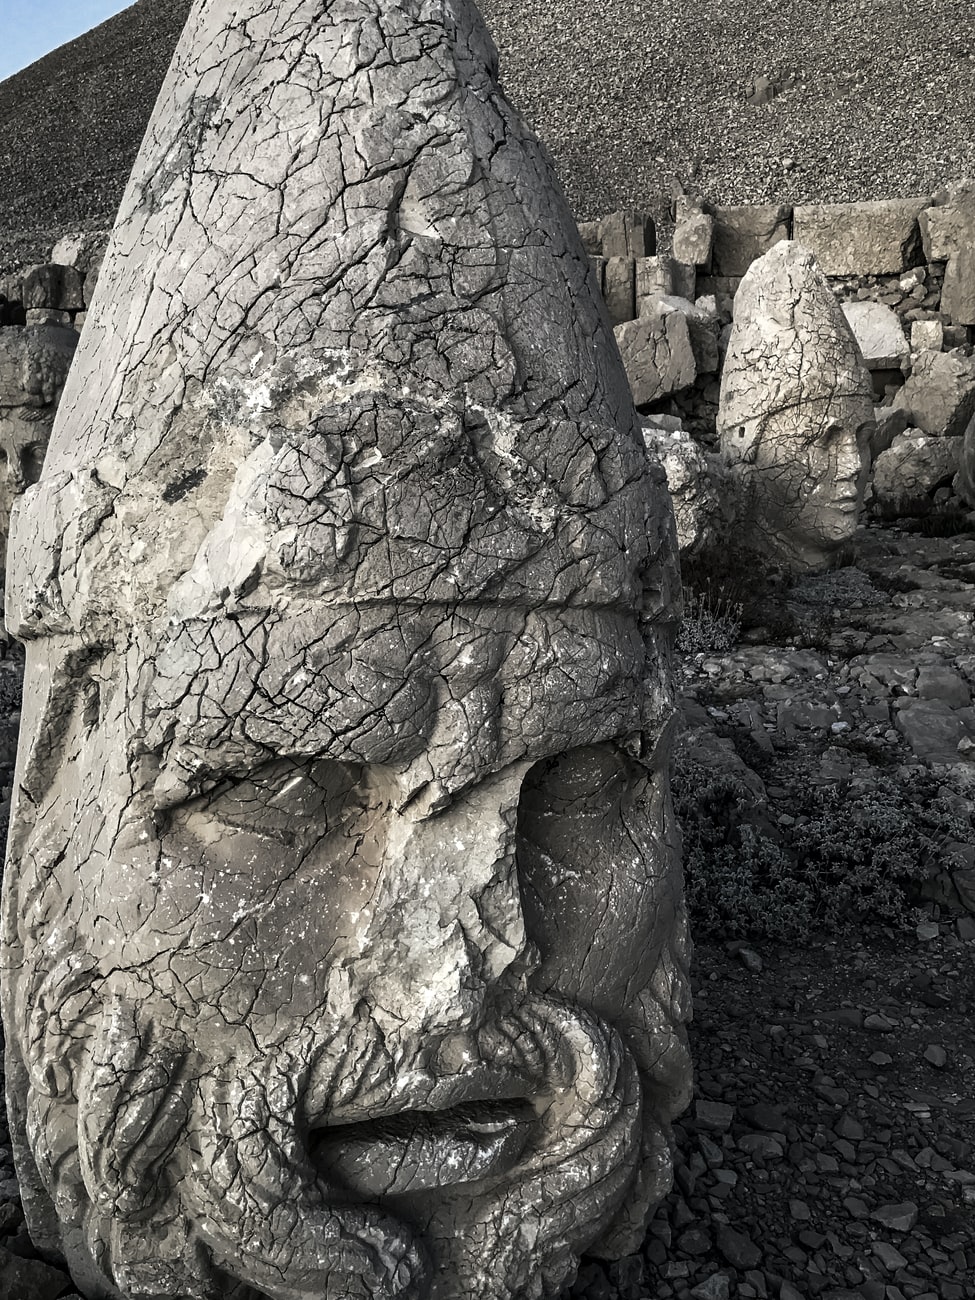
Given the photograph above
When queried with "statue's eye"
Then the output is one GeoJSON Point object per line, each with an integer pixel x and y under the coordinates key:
{"type": "Point", "coordinates": [291, 802]}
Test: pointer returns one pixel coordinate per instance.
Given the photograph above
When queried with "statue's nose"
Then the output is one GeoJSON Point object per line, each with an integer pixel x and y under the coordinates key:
{"type": "Point", "coordinates": [455, 917]}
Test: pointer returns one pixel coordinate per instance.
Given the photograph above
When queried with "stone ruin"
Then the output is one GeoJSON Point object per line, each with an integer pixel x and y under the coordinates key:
{"type": "Point", "coordinates": [344, 950]}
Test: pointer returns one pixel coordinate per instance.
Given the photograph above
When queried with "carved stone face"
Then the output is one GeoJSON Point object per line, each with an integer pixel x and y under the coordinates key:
{"type": "Point", "coordinates": [343, 946]}
{"type": "Point", "coordinates": [391, 1027]}
{"type": "Point", "coordinates": [796, 411]}
{"type": "Point", "coordinates": [805, 474]}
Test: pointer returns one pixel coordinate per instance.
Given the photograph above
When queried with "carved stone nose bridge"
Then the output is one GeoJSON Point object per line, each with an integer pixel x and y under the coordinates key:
{"type": "Point", "coordinates": [464, 928]}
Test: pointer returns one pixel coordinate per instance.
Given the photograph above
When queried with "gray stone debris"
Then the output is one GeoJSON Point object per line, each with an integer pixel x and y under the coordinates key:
{"type": "Point", "coordinates": [657, 352]}
{"type": "Point", "coordinates": [796, 413]}
{"type": "Point", "coordinates": [879, 334]}
{"type": "Point", "coordinates": [958, 293]}
{"type": "Point", "coordinates": [907, 474]}
{"type": "Point", "coordinates": [965, 482]}
{"type": "Point", "coordinates": [698, 484]}
{"type": "Point", "coordinates": [949, 223]}
{"type": "Point", "coordinates": [742, 234]}
{"type": "Point", "coordinates": [876, 238]}
{"type": "Point", "coordinates": [939, 394]}
{"type": "Point", "coordinates": [344, 944]}
{"type": "Point", "coordinates": [693, 239]}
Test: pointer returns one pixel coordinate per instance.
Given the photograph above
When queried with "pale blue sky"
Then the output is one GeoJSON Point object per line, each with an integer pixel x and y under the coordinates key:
{"type": "Point", "coordinates": [31, 28]}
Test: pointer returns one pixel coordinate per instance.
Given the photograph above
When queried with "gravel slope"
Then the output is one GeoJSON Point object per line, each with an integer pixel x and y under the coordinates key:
{"type": "Point", "coordinates": [628, 95]}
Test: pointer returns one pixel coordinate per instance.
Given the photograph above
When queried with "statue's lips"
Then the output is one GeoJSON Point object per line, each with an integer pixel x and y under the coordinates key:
{"type": "Point", "coordinates": [415, 1150]}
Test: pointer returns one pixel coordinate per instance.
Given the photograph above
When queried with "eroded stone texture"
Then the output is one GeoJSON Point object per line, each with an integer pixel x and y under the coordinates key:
{"type": "Point", "coordinates": [34, 362]}
{"type": "Point", "coordinates": [796, 411]}
{"type": "Point", "coordinates": [344, 949]}
{"type": "Point", "coordinates": [698, 482]}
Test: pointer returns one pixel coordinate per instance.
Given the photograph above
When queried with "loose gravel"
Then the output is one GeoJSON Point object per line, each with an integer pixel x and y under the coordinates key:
{"type": "Point", "coordinates": [876, 98]}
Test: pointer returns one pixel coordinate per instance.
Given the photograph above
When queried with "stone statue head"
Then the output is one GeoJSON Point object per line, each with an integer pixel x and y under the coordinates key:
{"type": "Point", "coordinates": [796, 411]}
{"type": "Point", "coordinates": [34, 363]}
{"type": "Point", "coordinates": [344, 945]}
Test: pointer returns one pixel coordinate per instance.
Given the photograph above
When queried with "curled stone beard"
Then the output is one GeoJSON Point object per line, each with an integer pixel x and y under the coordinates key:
{"type": "Point", "coordinates": [175, 1174]}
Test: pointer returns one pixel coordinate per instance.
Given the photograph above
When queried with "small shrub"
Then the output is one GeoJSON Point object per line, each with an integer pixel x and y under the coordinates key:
{"type": "Point", "coordinates": [711, 623]}
{"type": "Point", "coordinates": [852, 857]}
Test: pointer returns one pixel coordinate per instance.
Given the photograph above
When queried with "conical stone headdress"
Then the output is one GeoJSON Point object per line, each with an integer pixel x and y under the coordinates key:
{"type": "Point", "coordinates": [345, 342]}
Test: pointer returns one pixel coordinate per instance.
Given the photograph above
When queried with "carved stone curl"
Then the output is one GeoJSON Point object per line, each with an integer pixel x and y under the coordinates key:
{"type": "Point", "coordinates": [344, 946]}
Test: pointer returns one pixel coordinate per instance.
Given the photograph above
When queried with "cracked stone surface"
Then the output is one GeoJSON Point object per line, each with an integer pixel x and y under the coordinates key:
{"type": "Point", "coordinates": [344, 949]}
{"type": "Point", "coordinates": [796, 411]}
{"type": "Point", "coordinates": [34, 362]}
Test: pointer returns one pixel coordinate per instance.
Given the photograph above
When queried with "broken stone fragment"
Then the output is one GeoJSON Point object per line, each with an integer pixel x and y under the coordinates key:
{"type": "Point", "coordinates": [698, 484]}
{"type": "Point", "coordinates": [618, 288]}
{"type": "Point", "coordinates": [907, 474]}
{"type": "Point", "coordinates": [344, 952]}
{"type": "Point", "coordinates": [958, 292]}
{"type": "Point", "coordinates": [879, 334]}
{"type": "Point", "coordinates": [880, 237]}
{"type": "Point", "coordinates": [627, 234]}
{"type": "Point", "coordinates": [949, 223]}
{"type": "Point", "coordinates": [742, 234]}
{"type": "Point", "coordinates": [657, 353]}
{"type": "Point", "coordinates": [927, 336]}
{"type": "Point", "coordinates": [796, 411]}
{"type": "Point", "coordinates": [693, 233]}
{"type": "Point", "coordinates": [939, 394]}
{"type": "Point", "coordinates": [57, 287]}
{"type": "Point", "coordinates": [703, 323]}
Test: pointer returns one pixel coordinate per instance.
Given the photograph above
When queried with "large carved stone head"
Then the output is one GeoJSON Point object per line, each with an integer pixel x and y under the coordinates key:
{"type": "Point", "coordinates": [344, 950]}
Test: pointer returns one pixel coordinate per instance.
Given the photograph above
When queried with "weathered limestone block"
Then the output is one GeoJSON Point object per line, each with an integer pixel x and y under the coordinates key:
{"type": "Point", "coordinates": [939, 394]}
{"type": "Point", "coordinates": [796, 411]}
{"type": "Point", "coordinates": [699, 487]}
{"type": "Point", "coordinates": [871, 238]}
{"type": "Point", "coordinates": [81, 249]}
{"type": "Point", "coordinates": [657, 353]}
{"type": "Point", "coordinates": [890, 421]}
{"type": "Point", "coordinates": [591, 236]}
{"type": "Point", "coordinates": [704, 326]}
{"type": "Point", "coordinates": [927, 335]}
{"type": "Point", "coordinates": [654, 277]}
{"type": "Point", "coordinates": [879, 334]}
{"type": "Point", "coordinates": [53, 286]}
{"type": "Point", "coordinates": [949, 223]}
{"type": "Point", "coordinates": [618, 288]}
{"type": "Point", "coordinates": [627, 234]}
{"type": "Point", "coordinates": [958, 293]}
{"type": "Point", "coordinates": [693, 233]}
{"type": "Point", "coordinates": [964, 483]}
{"type": "Point", "coordinates": [910, 470]}
{"type": "Point", "coordinates": [741, 234]}
{"type": "Point", "coordinates": [343, 949]}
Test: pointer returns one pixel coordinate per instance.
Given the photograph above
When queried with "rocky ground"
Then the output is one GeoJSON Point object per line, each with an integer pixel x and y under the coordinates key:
{"type": "Point", "coordinates": [740, 99]}
{"type": "Point", "coordinates": [829, 1153]}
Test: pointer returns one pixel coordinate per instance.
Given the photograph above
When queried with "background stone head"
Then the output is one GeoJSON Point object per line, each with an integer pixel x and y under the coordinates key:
{"type": "Point", "coordinates": [796, 411]}
{"type": "Point", "coordinates": [348, 595]}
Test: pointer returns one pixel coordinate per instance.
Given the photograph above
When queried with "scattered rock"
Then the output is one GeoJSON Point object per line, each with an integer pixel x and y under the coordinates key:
{"type": "Point", "coordinates": [900, 1218]}
{"type": "Point", "coordinates": [874, 238]}
{"type": "Point", "coordinates": [939, 395]}
{"type": "Point", "coordinates": [657, 353]}
{"type": "Point", "coordinates": [742, 234]}
{"type": "Point", "coordinates": [879, 334]}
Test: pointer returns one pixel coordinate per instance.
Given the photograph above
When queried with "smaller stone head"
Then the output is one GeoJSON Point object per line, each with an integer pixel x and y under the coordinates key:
{"type": "Point", "coordinates": [796, 412]}
{"type": "Point", "coordinates": [34, 363]}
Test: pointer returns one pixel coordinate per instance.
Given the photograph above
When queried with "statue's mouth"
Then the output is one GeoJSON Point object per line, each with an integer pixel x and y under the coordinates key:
{"type": "Point", "coordinates": [416, 1150]}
